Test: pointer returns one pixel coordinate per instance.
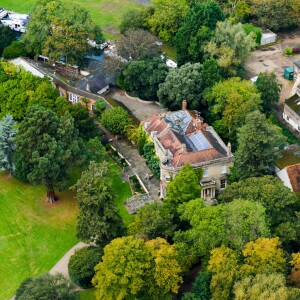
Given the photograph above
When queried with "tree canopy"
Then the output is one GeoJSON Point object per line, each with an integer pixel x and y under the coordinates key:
{"type": "Point", "coordinates": [184, 187]}
{"type": "Point", "coordinates": [167, 17]}
{"type": "Point", "coordinates": [142, 77]}
{"type": "Point", "coordinates": [131, 267]}
{"type": "Point", "coordinates": [47, 145]}
{"type": "Point", "coordinates": [269, 87]}
{"type": "Point", "coordinates": [152, 221]}
{"type": "Point", "coordinates": [184, 83]}
{"type": "Point", "coordinates": [98, 220]}
{"type": "Point", "coordinates": [47, 287]}
{"type": "Point", "coordinates": [8, 132]}
{"type": "Point", "coordinates": [60, 29]}
{"type": "Point", "coordinates": [258, 143]}
{"type": "Point", "coordinates": [230, 101]}
{"type": "Point", "coordinates": [230, 46]}
{"type": "Point", "coordinates": [210, 226]}
{"type": "Point", "coordinates": [115, 120]}
{"type": "Point", "coordinates": [196, 31]}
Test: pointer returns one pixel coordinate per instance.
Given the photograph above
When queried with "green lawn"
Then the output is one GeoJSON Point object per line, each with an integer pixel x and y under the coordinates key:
{"type": "Point", "coordinates": [106, 13]}
{"type": "Point", "coordinates": [88, 295]}
{"type": "Point", "coordinates": [33, 235]}
{"type": "Point", "coordinates": [122, 191]}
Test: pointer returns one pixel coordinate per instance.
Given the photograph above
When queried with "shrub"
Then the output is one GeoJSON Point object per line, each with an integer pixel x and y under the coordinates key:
{"type": "Point", "coordinates": [288, 51]}
{"type": "Point", "coordinates": [115, 120]}
{"type": "Point", "coordinates": [81, 265]}
{"type": "Point", "coordinates": [296, 50]}
{"type": "Point", "coordinates": [15, 49]}
{"type": "Point", "coordinates": [256, 30]}
{"type": "Point", "coordinates": [47, 287]}
{"type": "Point", "coordinates": [151, 159]}
{"type": "Point", "coordinates": [98, 107]}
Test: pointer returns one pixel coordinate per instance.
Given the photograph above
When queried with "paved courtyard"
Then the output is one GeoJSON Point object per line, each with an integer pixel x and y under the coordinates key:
{"type": "Point", "coordinates": [272, 59]}
{"type": "Point", "coordinates": [140, 110]}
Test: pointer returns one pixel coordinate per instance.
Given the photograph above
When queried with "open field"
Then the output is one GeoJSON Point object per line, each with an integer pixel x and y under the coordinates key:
{"type": "Point", "coordinates": [106, 13]}
{"type": "Point", "coordinates": [33, 234]}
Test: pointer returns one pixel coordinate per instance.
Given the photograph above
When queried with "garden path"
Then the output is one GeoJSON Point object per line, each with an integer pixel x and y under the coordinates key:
{"type": "Point", "coordinates": [62, 265]}
{"type": "Point", "coordinates": [138, 166]}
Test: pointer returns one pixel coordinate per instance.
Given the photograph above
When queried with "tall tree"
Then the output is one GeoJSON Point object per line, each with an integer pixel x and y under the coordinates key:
{"type": "Point", "coordinates": [152, 221]}
{"type": "Point", "coordinates": [258, 143]}
{"type": "Point", "coordinates": [132, 268]}
{"type": "Point", "coordinates": [269, 87]}
{"type": "Point", "coordinates": [47, 145]}
{"type": "Point", "coordinates": [8, 132]}
{"type": "Point", "coordinates": [142, 77]}
{"type": "Point", "coordinates": [223, 264]}
{"type": "Point", "coordinates": [263, 256]}
{"type": "Point", "coordinates": [279, 201]}
{"type": "Point", "coordinates": [167, 17]}
{"type": "Point", "coordinates": [182, 83]}
{"type": "Point", "coordinates": [136, 44]}
{"type": "Point", "coordinates": [231, 46]}
{"type": "Point", "coordinates": [60, 28]}
{"type": "Point", "coordinates": [98, 220]}
{"type": "Point", "coordinates": [276, 15]}
{"type": "Point", "coordinates": [231, 101]}
{"type": "Point", "coordinates": [184, 187]}
{"type": "Point", "coordinates": [196, 31]}
{"type": "Point", "coordinates": [263, 287]}
{"type": "Point", "coordinates": [210, 226]}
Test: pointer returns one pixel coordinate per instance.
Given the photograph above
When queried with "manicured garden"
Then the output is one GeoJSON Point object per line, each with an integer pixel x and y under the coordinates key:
{"type": "Point", "coordinates": [106, 13]}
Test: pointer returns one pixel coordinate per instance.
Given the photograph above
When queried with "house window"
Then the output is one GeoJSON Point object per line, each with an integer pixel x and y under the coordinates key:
{"type": "Point", "coordinates": [287, 118]}
{"type": "Point", "coordinates": [74, 98]}
{"type": "Point", "coordinates": [223, 169]}
{"type": "Point", "coordinates": [168, 179]}
{"type": "Point", "coordinates": [205, 172]}
{"type": "Point", "coordinates": [223, 183]}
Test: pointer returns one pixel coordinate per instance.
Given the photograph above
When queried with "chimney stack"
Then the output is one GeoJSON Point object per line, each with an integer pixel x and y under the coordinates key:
{"type": "Point", "coordinates": [88, 89]}
{"type": "Point", "coordinates": [184, 104]}
{"type": "Point", "coordinates": [229, 149]}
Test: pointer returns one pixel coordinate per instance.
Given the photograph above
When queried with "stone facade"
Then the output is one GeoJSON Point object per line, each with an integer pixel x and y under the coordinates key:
{"type": "Point", "coordinates": [182, 138]}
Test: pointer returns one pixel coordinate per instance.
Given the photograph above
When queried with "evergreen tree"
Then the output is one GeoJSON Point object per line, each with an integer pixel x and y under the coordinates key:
{"type": "Point", "coordinates": [8, 132]}
{"type": "Point", "coordinates": [98, 220]}
{"type": "Point", "coordinates": [47, 145]}
{"type": "Point", "coordinates": [258, 143]}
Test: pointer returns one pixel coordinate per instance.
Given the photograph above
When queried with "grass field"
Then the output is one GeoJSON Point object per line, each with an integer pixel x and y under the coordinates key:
{"type": "Point", "coordinates": [33, 234]}
{"type": "Point", "coordinates": [88, 295]}
{"type": "Point", "coordinates": [106, 13]}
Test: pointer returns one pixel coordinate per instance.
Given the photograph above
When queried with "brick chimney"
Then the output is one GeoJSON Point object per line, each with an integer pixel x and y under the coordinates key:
{"type": "Point", "coordinates": [229, 149]}
{"type": "Point", "coordinates": [184, 104]}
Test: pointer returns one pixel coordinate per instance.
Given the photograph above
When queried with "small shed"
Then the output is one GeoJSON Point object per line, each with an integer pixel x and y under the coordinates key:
{"type": "Point", "coordinates": [268, 37]}
{"type": "Point", "coordinates": [289, 73]}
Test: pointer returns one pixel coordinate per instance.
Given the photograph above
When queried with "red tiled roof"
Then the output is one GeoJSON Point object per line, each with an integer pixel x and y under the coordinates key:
{"type": "Point", "coordinates": [172, 140]}
{"type": "Point", "coordinates": [181, 159]}
{"type": "Point", "coordinates": [294, 176]}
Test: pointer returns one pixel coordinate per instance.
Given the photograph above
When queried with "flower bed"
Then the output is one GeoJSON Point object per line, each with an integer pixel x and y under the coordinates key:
{"type": "Point", "coordinates": [117, 157]}
{"type": "Point", "coordinates": [136, 186]}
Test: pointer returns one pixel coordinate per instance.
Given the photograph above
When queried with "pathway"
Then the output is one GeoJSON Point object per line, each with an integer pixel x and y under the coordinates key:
{"type": "Point", "coordinates": [62, 265]}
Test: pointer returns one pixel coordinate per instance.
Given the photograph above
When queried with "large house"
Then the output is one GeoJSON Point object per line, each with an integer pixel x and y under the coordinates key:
{"type": "Point", "coordinates": [182, 138]}
{"type": "Point", "coordinates": [291, 111]}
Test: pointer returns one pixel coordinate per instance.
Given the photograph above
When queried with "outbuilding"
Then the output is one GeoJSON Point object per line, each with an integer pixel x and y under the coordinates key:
{"type": "Point", "coordinates": [268, 37]}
